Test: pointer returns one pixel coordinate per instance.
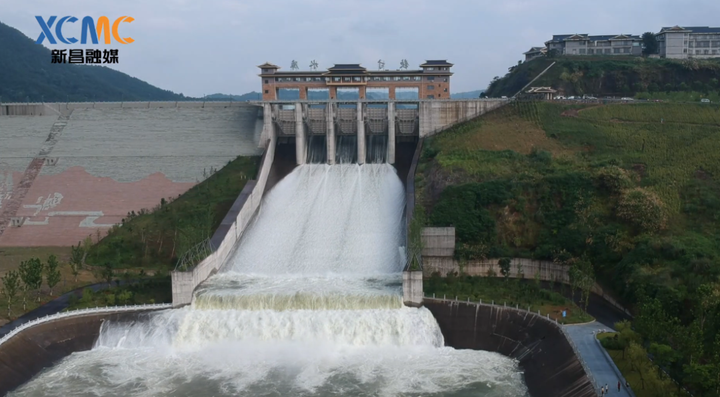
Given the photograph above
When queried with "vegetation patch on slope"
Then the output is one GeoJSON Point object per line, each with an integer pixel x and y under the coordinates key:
{"type": "Point", "coordinates": [612, 76]}
{"type": "Point", "coordinates": [628, 193]}
{"type": "Point", "coordinates": [157, 238]}
{"type": "Point", "coordinates": [523, 293]}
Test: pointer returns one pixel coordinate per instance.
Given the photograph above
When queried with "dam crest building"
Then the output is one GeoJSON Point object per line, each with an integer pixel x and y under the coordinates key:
{"type": "Point", "coordinates": [352, 81]}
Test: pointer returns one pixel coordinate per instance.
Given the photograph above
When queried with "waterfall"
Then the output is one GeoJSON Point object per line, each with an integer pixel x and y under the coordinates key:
{"type": "Point", "coordinates": [310, 304]}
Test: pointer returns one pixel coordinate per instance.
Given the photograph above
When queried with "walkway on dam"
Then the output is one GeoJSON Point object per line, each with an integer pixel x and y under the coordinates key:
{"type": "Point", "coordinates": [53, 307]}
{"type": "Point", "coordinates": [599, 363]}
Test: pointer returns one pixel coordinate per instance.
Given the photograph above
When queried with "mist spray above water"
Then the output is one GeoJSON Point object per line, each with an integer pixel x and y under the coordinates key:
{"type": "Point", "coordinates": [310, 304]}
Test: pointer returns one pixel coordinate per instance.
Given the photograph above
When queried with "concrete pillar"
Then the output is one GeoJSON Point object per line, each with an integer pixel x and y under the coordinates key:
{"type": "Point", "coordinates": [299, 134]}
{"type": "Point", "coordinates": [267, 131]}
{"type": "Point", "coordinates": [360, 133]}
{"type": "Point", "coordinates": [391, 133]}
{"type": "Point", "coordinates": [302, 92]}
{"type": "Point", "coordinates": [391, 92]}
{"type": "Point", "coordinates": [413, 288]}
{"type": "Point", "coordinates": [425, 108]}
{"type": "Point", "coordinates": [362, 92]}
{"type": "Point", "coordinates": [330, 137]}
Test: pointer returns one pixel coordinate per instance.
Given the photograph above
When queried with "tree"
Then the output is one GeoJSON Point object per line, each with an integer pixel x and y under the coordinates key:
{"type": "Point", "coordinates": [11, 285]}
{"type": "Point", "coordinates": [663, 355]}
{"type": "Point", "coordinates": [52, 273]}
{"type": "Point", "coordinates": [642, 208]}
{"type": "Point", "coordinates": [107, 273]}
{"type": "Point", "coordinates": [700, 377]}
{"type": "Point", "coordinates": [626, 335]}
{"type": "Point", "coordinates": [87, 244]}
{"type": "Point", "coordinates": [639, 363]}
{"type": "Point", "coordinates": [77, 256]}
{"type": "Point", "coordinates": [650, 43]}
{"type": "Point", "coordinates": [504, 264]}
{"type": "Point", "coordinates": [520, 271]}
{"type": "Point", "coordinates": [586, 279]}
{"type": "Point", "coordinates": [31, 275]}
{"type": "Point", "coordinates": [575, 279]}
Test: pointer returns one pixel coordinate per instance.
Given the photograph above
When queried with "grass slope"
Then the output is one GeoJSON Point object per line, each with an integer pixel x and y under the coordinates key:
{"type": "Point", "coordinates": [631, 189]}
{"type": "Point", "coordinates": [157, 238]}
{"type": "Point", "coordinates": [512, 292]}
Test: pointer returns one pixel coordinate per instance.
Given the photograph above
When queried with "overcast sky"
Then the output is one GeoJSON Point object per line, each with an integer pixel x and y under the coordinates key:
{"type": "Point", "coordinates": [201, 47]}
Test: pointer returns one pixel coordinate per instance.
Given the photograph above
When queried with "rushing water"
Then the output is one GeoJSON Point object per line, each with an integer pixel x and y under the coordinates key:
{"type": "Point", "coordinates": [309, 305]}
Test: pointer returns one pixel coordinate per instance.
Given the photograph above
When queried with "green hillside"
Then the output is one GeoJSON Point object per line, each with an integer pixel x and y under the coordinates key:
{"type": "Point", "coordinates": [607, 190]}
{"type": "Point", "coordinates": [28, 75]}
{"type": "Point", "coordinates": [613, 76]}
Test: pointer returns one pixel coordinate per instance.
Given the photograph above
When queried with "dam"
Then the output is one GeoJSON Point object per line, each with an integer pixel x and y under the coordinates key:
{"type": "Point", "coordinates": [306, 291]}
{"type": "Point", "coordinates": [308, 304]}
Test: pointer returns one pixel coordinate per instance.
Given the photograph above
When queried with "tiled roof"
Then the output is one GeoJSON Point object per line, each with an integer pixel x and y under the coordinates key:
{"type": "Point", "coordinates": [534, 50]}
{"type": "Point", "coordinates": [268, 65]}
{"type": "Point", "coordinates": [561, 37]}
{"type": "Point", "coordinates": [347, 66]}
{"type": "Point", "coordinates": [585, 36]}
{"type": "Point", "coordinates": [693, 29]}
{"type": "Point", "coordinates": [540, 90]}
{"type": "Point", "coordinates": [436, 62]}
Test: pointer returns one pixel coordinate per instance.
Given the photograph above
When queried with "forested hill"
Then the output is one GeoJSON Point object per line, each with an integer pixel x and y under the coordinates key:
{"type": "Point", "coordinates": [26, 74]}
{"type": "Point", "coordinates": [611, 75]}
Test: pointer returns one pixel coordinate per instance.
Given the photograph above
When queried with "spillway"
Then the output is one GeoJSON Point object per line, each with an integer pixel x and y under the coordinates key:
{"type": "Point", "coordinates": [310, 304]}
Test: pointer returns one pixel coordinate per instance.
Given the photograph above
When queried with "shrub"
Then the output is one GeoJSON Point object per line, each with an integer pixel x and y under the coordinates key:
{"type": "Point", "coordinates": [612, 179]}
{"type": "Point", "coordinates": [643, 209]}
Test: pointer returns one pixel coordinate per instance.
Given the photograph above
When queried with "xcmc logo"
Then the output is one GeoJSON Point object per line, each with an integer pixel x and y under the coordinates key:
{"type": "Point", "coordinates": [52, 29]}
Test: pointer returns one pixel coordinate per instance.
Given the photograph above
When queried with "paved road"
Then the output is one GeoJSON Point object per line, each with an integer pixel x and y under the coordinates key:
{"type": "Point", "coordinates": [600, 366]}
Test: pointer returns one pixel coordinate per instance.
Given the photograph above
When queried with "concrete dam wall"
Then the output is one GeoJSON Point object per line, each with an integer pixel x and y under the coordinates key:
{"type": "Point", "coordinates": [544, 353]}
{"type": "Point", "coordinates": [68, 170]}
{"type": "Point", "coordinates": [231, 229]}
{"type": "Point", "coordinates": [30, 351]}
{"type": "Point", "coordinates": [365, 119]}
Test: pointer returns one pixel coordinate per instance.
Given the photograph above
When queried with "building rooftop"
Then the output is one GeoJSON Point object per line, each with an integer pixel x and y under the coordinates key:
{"type": "Point", "coordinates": [533, 50]}
{"type": "Point", "coordinates": [347, 66]}
{"type": "Point", "coordinates": [436, 62]}
{"type": "Point", "coordinates": [357, 69]}
{"type": "Point", "coordinates": [537, 90]}
{"type": "Point", "coordinates": [585, 36]}
{"type": "Point", "coordinates": [691, 29]}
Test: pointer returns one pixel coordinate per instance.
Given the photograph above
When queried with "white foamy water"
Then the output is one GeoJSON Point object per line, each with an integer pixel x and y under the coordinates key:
{"type": "Point", "coordinates": [309, 305]}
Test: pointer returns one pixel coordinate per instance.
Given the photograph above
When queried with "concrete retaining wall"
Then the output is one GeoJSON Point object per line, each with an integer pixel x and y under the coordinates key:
{"type": "Point", "coordinates": [439, 251]}
{"type": "Point", "coordinates": [412, 280]}
{"type": "Point", "coordinates": [546, 356]}
{"type": "Point", "coordinates": [26, 354]}
{"type": "Point", "coordinates": [246, 205]}
{"type": "Point", "coordinates": [436, 116]}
